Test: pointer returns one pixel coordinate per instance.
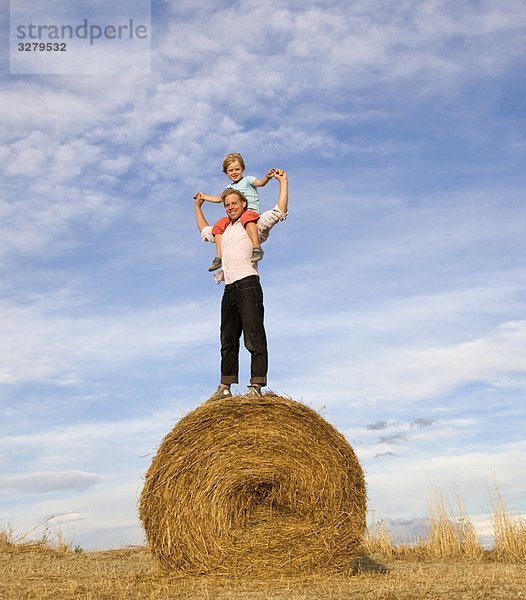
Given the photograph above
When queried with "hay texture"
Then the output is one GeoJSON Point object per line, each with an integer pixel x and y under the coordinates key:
{"type": "Point", "coordinates": [245, 486]}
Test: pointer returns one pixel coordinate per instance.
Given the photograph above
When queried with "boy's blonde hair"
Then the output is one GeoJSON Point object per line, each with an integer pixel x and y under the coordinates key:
{"type": "Point", "coordinates": [233, 157]}
{"type": "Point", "coordinates": [237, 193]}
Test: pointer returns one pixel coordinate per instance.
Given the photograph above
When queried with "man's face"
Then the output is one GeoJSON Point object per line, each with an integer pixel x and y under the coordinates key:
{"type": "Point", "coordinates": [234, 206]}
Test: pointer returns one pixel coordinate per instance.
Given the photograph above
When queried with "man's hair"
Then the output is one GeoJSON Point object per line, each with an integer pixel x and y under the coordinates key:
{"type": "Point", "coordinates": [230, 191]}
{"type": "Point", "coordinates": [233, 157]}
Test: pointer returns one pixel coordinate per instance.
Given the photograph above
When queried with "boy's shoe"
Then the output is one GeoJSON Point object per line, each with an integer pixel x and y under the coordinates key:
{"type": "Point", "coordinates": [254, 391]}
{"type": "Point", "coordinates": [216, 263]}
{"type": "Point", "coordinates": [220, 393]}
{"type": "Point", "coordinates": [218, 276]}
{"type": "Point", "coordinates": [257, 255]}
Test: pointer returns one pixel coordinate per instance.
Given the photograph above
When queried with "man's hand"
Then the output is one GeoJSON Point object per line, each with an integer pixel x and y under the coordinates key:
{"type": "Point", "coordinates": [199, 199]}
{"type": "Point", "coordinates": [280, 175]}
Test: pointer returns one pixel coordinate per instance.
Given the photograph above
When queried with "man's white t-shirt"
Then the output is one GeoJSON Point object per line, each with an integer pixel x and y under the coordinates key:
{"type": "Point", "coordinates": [236, 252]}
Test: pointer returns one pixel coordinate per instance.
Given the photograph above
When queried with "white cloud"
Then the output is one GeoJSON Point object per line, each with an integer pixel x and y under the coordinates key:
{"type": "Point", "coordinates": [66, 518]}
{"type": "Point", "coordinates": [377, 43]}
{"type": "Point", "coordinates": [418, 372]}
{"type": "Point", "coordinates": [115, 166]}
{"type": "Point", "coordinates": [406, 349]}
{"type": "Point", "coordinates": [38, 156]}
{"type": "Point", "coordinates": [52, 347]}
{"type": "Point", "coordinates": [38, 483]}
{"type": "Point", "coordinates": [57, 440]}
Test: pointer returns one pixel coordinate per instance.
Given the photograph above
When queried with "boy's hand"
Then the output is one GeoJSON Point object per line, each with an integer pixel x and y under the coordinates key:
{"type": "Point", "coordinates": [270, 174]}
{"type": "Point", "coordinates": [199, 198]}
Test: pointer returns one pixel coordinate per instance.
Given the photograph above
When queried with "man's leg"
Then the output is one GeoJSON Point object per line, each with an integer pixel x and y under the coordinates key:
{"type": "Point", "coordinates": [230, 334]}
{"type": "Point", "coordinates": [251, 313]}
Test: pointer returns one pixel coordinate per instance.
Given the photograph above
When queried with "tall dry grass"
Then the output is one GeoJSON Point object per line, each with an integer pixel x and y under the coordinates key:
{"type": "Point", "coordinates": [47, 541]}
{"type": "Point", "coordinates": [379, 542]}
{"type": "Point", "coordinates": [509, 530]}
{"type": "Point", "coordinates": [452, 535]}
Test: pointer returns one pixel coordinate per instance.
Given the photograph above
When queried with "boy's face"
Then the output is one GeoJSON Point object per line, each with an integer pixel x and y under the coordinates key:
{"type": "Point", "coordinates": [234, 171]}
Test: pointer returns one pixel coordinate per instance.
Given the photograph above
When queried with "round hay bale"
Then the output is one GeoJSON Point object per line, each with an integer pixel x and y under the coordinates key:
{"type": "Point", "coordinates": [254, 486]}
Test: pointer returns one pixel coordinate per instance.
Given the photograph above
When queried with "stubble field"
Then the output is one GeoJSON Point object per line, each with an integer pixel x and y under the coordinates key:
{"type": "Point", "coordinates": [38, 571]}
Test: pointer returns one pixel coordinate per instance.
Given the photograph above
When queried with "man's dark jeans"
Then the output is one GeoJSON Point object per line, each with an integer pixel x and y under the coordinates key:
{"type": "Point", "coordinates": [242, 311]}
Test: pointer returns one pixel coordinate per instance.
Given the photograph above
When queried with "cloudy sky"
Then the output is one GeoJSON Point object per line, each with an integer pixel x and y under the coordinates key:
{"type": "Point", "coordinates": [395, 292]}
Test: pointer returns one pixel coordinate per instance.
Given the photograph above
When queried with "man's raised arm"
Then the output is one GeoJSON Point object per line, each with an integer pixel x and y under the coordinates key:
{"type": "Point", "coordinates": [279, 213]}
{"type": "Point", "coordinates": [283, 198]}
{"type": "Point", "coordinates": [199, 215]}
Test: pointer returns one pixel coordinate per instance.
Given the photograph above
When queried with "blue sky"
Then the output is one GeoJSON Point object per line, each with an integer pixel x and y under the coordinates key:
{"type": "Point", "coordinates": [395, 292]}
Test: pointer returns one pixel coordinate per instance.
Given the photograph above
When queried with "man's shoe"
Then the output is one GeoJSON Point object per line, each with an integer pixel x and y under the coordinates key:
{"type": "Point", "coordinates": [254, 391]}
{"type": "Point", "coordinates": [257, 255]}
{"type": "Point", "coordinates": [216, 263]}
{"type": "Point", "coordinates": [220, 393]}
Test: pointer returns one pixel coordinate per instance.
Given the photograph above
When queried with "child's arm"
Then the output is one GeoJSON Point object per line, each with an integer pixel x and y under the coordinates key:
{"type": "Point", "coordinates": [201, 196]}
{"type": "Point", "coordinates": [264, 180]}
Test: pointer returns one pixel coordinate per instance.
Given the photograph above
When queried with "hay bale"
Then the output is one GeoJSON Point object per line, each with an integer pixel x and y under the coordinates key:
{"type": "Point", "coordinates": [256, 487]}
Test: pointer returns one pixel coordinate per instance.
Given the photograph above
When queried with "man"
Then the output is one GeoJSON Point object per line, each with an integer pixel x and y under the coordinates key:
{"type": "Point", "coordinates": [242, 308]}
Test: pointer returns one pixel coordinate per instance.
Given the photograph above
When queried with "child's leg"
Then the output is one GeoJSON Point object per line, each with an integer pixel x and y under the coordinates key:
{"type": "Point", "coordinates": [217, 240]}
{"type": "Point", "coordinates": [217, 232]}
{"type": "Point", "coordinates": [253, 233]}
{"type": "Point", "coordinates": [216, 263]}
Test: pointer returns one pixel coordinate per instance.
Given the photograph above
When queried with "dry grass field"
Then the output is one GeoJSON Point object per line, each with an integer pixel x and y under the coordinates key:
{"type": "Point", "coordinates": [38, 572]}
{"type": "Point", "coordinates": [449, 564]}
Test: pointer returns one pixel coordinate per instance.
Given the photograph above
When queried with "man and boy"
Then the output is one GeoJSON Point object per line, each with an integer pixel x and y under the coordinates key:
{"type": "Point", "coordinates": [240, 236]}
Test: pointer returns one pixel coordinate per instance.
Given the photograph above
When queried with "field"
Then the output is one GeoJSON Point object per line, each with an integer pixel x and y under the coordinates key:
{"type": "Point", "coordinates": [449, 564]}
{"type": "Point", "coordinates": [38, 572]}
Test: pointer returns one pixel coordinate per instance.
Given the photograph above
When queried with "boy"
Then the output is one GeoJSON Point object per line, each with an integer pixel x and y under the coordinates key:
{"type": "Point", "coordinates": [233, 167]}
